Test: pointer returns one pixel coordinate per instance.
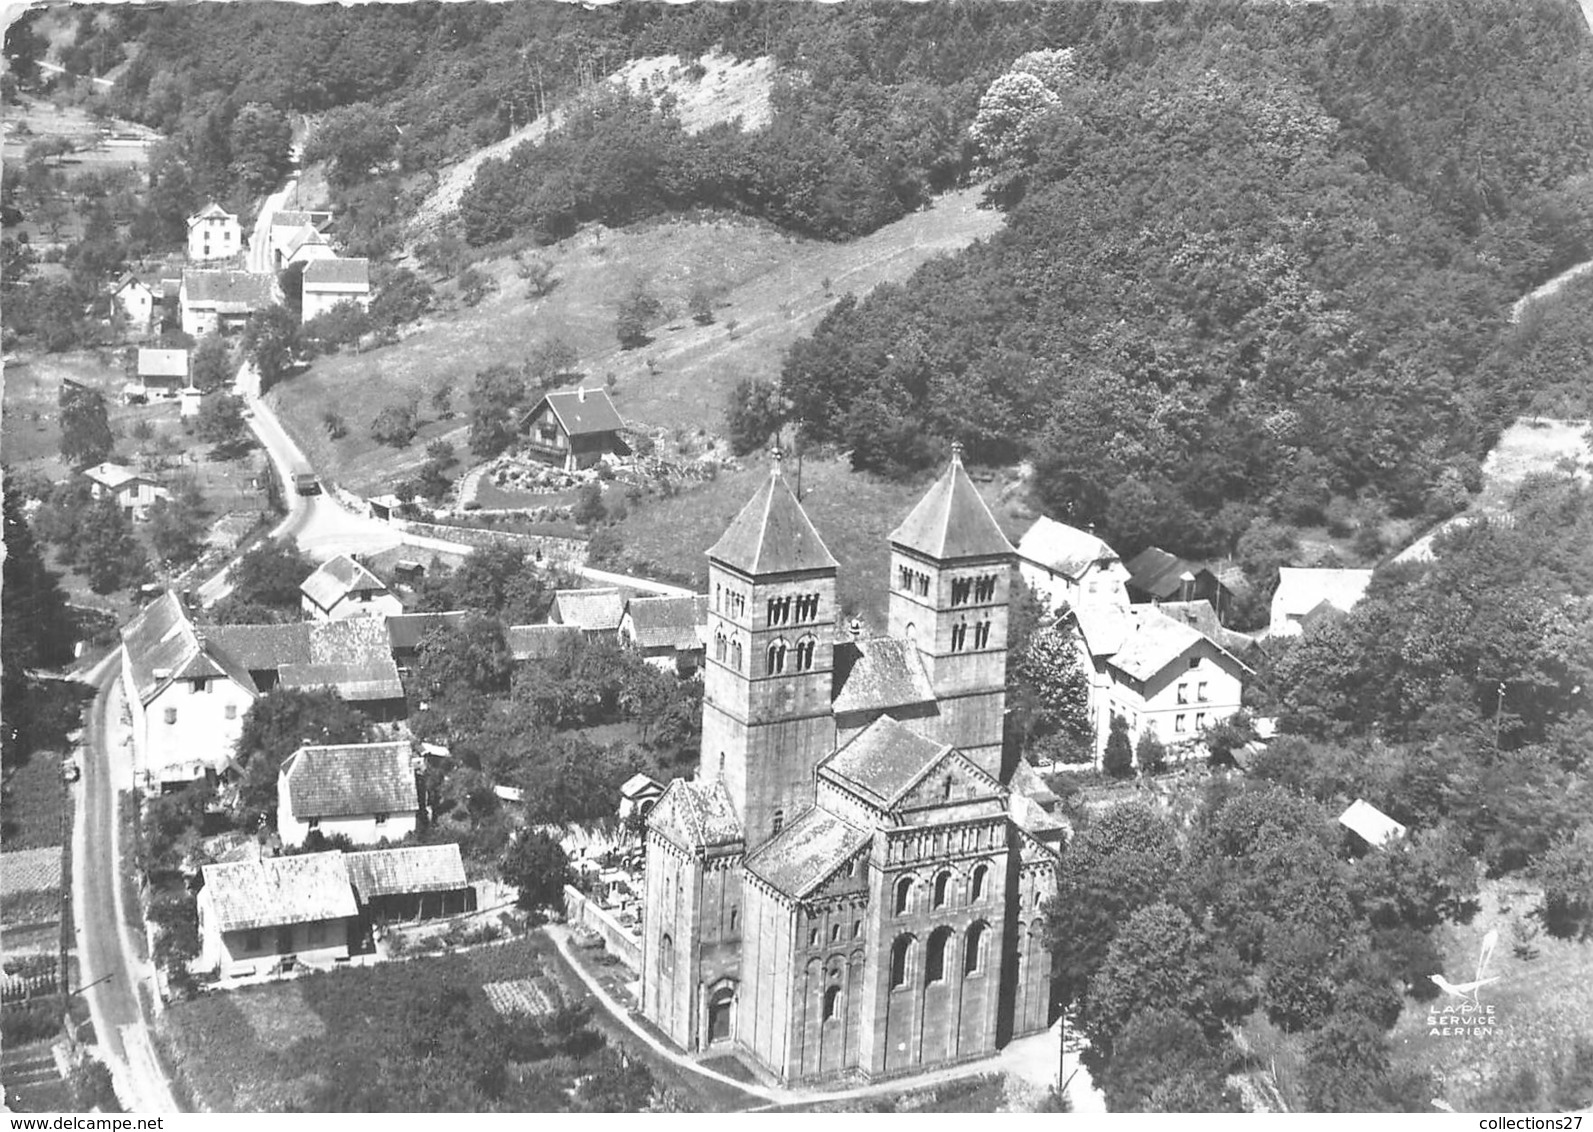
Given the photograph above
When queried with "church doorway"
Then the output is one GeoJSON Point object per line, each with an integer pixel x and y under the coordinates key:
{"type": "Point", "coordinates": [720, 1007]}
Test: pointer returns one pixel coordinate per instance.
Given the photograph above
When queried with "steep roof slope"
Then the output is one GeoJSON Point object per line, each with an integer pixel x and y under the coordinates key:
{"type": "Point", "coordinates": [772, 534]}
{"type": "Point", "coordinates": [951, 520]}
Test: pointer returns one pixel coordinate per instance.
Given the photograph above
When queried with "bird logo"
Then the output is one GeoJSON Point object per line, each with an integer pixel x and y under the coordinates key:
{"type": "Point", "coordinates": [1470, 990]}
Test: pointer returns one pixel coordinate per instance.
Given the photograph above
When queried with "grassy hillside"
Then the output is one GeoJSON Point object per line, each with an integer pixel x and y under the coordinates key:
{"type": "Point", "coordinates": [771, 287]}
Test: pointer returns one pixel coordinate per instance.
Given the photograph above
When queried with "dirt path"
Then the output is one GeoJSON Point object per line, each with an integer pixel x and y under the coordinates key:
{"type": "Point", "coordinates": [1570, 273]}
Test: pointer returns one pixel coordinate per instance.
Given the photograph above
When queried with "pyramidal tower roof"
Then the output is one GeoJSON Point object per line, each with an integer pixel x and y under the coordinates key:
{"type": "Point", "coordinates": [772, 535]}
{"type": "Point", "coordinates": [951, 521]}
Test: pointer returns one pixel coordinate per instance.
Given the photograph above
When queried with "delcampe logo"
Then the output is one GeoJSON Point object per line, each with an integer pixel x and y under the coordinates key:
{"type": "Point", "coordinates": [1465, 1015]}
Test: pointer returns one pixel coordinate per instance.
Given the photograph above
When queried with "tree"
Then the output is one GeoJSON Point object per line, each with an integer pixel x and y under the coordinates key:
{"type": "Point", "coordinates": [635, 315]}
{"type": "Point", "coordinates": [401, 296]}
{"type": "Point", "coordinates": [1054, 694]}
{"type": "Point", "coordinates": [589, 508]}
{"type": "Point", "coordinates": [177, 528]}
{"type": "Point", "coordinates": [701, 304]}
{"type": "Point", "coordinates": [85, 425]}
{"type": "Point", "coordinates": [395, 425]}
{"type": "Point", "coordinates": [1118, 761]}
{"type": "Point", "coordinates": [221, 422]}
{"type": "Point", "coordinates": [755, 412]}
{"type": "Point", "coordinates": [212, 365]}
{"type": "Point", "coordinates": [537, 866]}
{"type": "Point", "coordinates": [474, 285]}
{"type": "Point", "coordinates": [278, 724]}
{"type": "Point", "coordinates": [262, 146]}
{"type": "Point", "coordinates": [550, 362]}
{"type": "Point", "coordinates": [537, 272]}
{"type": "Point", "coordinates": [270, 341]}
{"type": "Point", "coordinates": [110, 556]}
{"type": "Point", "coordinates": [1159, 961]}
{"type": "Point", "coordinates": [36, 631]}
{"type": "Point", "coordinates": [1566, 874]}
{"type": "Point", "coordinates": [1150, 753]}
{"type": "Point", "coordinates": [270, 574]}
{"type": "Point", "coordinates": [1163, 1062]}
{"type": "Point", "coordinates": [497, 399]}
{"type": "Point", "coordinates": [472, 657]}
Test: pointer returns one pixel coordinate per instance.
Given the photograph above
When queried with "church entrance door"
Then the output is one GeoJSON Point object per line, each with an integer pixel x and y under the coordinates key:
{"type": "Point", "coordinates": [719, 1016]}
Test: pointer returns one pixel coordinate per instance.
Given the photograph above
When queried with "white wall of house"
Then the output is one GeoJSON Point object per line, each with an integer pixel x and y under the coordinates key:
{"type": "Point", "coordinates": [1095, 586]}
{"type": "Point", "coordinates": [365, 603]}
{"type": "Point", "coordinates": [137, 303]}
{"type": "Point", "coordinates": [215, 238]}
{"type": "Point", "coordinates": [198, 320]}
{"type": "Point", "coordinates": [361, 829]}
{"type": "Point", "coordinates": [317, 943]}
{"type": "Point", "coordinates": [183, 725]}
{"type": "Point", "coordinates": [320, 298]}
{"type": "Point", "coordinates": [1199, 689]}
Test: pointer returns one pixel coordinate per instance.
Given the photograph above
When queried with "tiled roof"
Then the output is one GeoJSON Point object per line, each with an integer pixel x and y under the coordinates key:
{"type": "Point", "coordinates": [668, 622]}
{"type": "Point", "coordinates": [581, 413]}
{"type": "Point", "coordinates": [163, 645]}
{"type": "Point", "coordinates": [877, 674]}
{"type": "Point", "coordinates": [162, 363]}
{"type": "Point", "coordinates": [238, 289]}
{"type": "Point", "coordinates": [338, 272]}
{"type": "Point", "coordinates": [1159, 573]}
{"type": "Point", "coordinates": [30, 870]}
{"type": "Point", "coordinates": [350, 780]}
{"type": "Point", "coordinates": [883, 760]}
{"type": "Point", "coordinates": [696, 815]}
{"type": "Point", "coordinates": [211, 211]}
{"type": "Point", "coordinates": [356, 683]}
{"type": "Point", "coordinates": [1103, 628]}
{"type": "Point", "coordinates": [1301, 589]}
{"type": "Point", "coordinates": [1152, 640]}
{"type": "Point", "coordinates": [540, 642]}
{"type": "Point", "coordinates": [290, 218]}
{"type": "Point", "coordinates": [1066, 550]}
{"type": "Point", "coordinates": [1202, 617]}
{"type": "Point", "coordinates": [352, 640]}
{"type": "Point", "coordinates": [338, 577]}
{"type": "Point", "coordinates": [806, 852]}
{"type": "Point", "coordinates": [279, 890]}
{"type": "Point", "coordinates": [772, 535]}
{"type": "Point", "coordinates": [595, 610]}
{"type": "Point", "coordinates": [412, 868]}
{"type": "Point", "coordinates": [303, 237]}
{"type": "Point", "coordinates": [112, 476]}
{"type": "Point", "coordinates": [952, 521]}
{"type": "Point", "coordinates": [639, 785]}
{"type": "Point", "coordinates": [405, 630]}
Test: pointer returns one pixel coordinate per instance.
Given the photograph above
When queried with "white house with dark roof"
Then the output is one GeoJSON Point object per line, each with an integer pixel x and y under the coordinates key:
{"type": "Point", "coordinates": [134, 492]}
{"type": "Point", "coordinates": [1306, 591]}
{"type": "Point", "coordinates": [1063, 564]}
{"type": "Point", "coordinates": [574, 429]}
{"type": "Point", "coordinates": [219, 302]}
{"type": "Point", "coordinates": [187, 696]}
{"type": "Point", "coordinates": [214, 233]}
{"type": "Point", "coordinates": [596, 612]}
{"type": "Point", "coordinates": [667, 631]}
{"type": "Point", "coordinates": [341, 587]}
{"type": "Point", "coordinates": [331, 280]}
{"type": "Point", "coordinates": [1159, 673]}
{"type": "Point", "coordinates": [256, 914]}
{"type": "Point", "coordinates": [363, 791]}
{"type": "Point", "coordinates": [136, 300]}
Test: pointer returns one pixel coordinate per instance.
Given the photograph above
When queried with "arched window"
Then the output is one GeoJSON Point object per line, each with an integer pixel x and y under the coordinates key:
{"type": "Point", "coordinates": [904, 895]}
{"type": "Point", "coordinates": [832, 997]}
{"type": "Point", "coordinates": [900, 951]}
{"type": "Point", "coordinates": [942, 889]}
{"type": "Point", "coordinates": [973, 959]}
{"type": "Point", "coordinates": [976, 891]}
{"type": "Point", "coordinates": [959, 636]}
{"type": "Point", "coordinates": [935, 956]}
{"type": "Point", "coordinates": [735, 655]}
{"type": "Point", "coordinates": [666, 954]}
{"type": "Point", "coordinates": [776, 658]}
{"type": "Point", "coordinates": [804, 653]}
{"type": "Point", "coordinates": [719, 647]}
{"type": "Point", "coordinates": [912, 633]}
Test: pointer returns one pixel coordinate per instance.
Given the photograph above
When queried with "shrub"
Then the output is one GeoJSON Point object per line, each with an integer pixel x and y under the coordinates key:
{"type": "Point", "coordinates": [24, 1022]}
{"type": "Point", "coordinates": [394, 425]}
{"type": "Point", "coordinates": [637, 312]}
{"type": "Point", "coordinates": [1118, 760]}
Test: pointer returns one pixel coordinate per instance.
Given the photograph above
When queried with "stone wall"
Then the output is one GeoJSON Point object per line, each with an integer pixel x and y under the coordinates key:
{"type": "Point", "coordinates": [559, 551]}
{"type": "Point", "coordinates": [621, 943]}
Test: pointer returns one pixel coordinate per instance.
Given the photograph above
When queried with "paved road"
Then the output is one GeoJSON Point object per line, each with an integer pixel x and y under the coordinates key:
{"type": "Point", "coordinates": [109, 966]}
{"type": "Point", "coordinates": [259, 260]}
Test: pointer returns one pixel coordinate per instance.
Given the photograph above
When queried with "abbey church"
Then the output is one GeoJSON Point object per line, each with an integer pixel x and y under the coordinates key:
{"type": "Point", "coordinates": [852, 883]}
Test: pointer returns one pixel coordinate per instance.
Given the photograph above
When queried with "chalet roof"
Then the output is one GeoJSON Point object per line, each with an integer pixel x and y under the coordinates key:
{"type": "Point", "coordinates": [581, 412]}
{"type": "Point", "coordinates": [162, 645]}
{"type": "Point", "coordinates": [640, 786]}
{"type": "Point", "coordinates": [236, 289]}
{"type": "Point", "coordinates": [883, 761]}
{"type": "Point", "coordinates": [696, 815]}
{"type": "Point", "coordinates": [411, 868]}
{"type": "Point", "coordinates": [668, 622]}
{"type": "Point", "coordinates": [595, 610]}
{"type": "Point", "coordinates": [1302, 589]}
{"type": "Point", "coordinates": [211, 211]}
{"type": "Point", "coordinates": [772, 534]}
{"type": "Point", "coordinates": [162, 363]}
{"type": "Point", "coordinates": [337, 578]}
{"type": "Point", "coordinates": [1159, 573]}
{"type": "Point", "coordinates": [405, 630]}
{"type": "Point", "coordinates": [350, 780]}
{"type": "Point", "coordinates": [877, 674]}
{"type": "Point", "coordinates": [1374, 826]}
{"type": "Point", "coordinates": [539, 642]}
{"type": "Point", "coordinates": [114, 476]}
{"type": "Point", "coordinates": [273, 891]}
{"type": "Point", "coordinates": [952, 521]}
{"type": "Point", "coordinates": [804, 854]}
{"type": "Point", "coordinates": [1063, 549]}
{"type": "Point", "coordinates": [337, 272]}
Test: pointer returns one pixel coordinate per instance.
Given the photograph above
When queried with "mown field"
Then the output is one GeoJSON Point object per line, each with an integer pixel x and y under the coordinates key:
{"type": "Point", "coordinates": [771, 289]}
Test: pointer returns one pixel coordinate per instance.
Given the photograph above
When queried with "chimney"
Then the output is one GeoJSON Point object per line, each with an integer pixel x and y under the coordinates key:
{"type": "Point", "coordinates": [854, 628]}
{"type": "Point", "coordinates": [1186, 586]}
{"type": "Point", "coordinates": [580, 394]}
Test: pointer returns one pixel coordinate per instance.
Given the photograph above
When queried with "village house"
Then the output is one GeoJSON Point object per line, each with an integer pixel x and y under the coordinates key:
{"type": "Point", "coordinates": [351, 656]}
{"type": "Point", "coordinates": [540, 642]}
{"type": "Point", "coordinates": [134, 492]}
{"type": "Point", "coordinates": [257, 915]}
{"type": "Point", "coordinates": [187, 697]}
{"type": "Point", "coordinates": [341, 587]}
{"type": "Point", "coordinates": [330, 281]}
{"type": "Point", "coordinates": [136, 300]}
{"type": "Point", "coordinates": [214, 233]}
{"type": "Point", "coordinates": [411, 882]}
{"type": "Point", "coordinates": [302, 246]}
{"type": "Point", "coordinates": [1203, 617]}
{"type": "Point", "coordinates": [1305, 594]}
{"type": "Point", "coordinates": [1154, 575]}
{"type": "Point", "coordinates": [162, 373]}
{"type": "Point", "coordinates": [574, 429]}
{"type": "Point", "coordinates": [667, 631]}
{"type": "Point", "coordinates": [292, 231]}
{"type": "Point", "coordinates": [363, 791]}
{"type": "Point", "coordinates": [220, 302]}
{"type": "Point", "coordinates": [1066, 566]}
{"type": "Point", "coordinates": [1160, 674]}
{"type": "Point", "coordinates": [405, 631]}
{"type": "Point", "coordinates": [596, 612]}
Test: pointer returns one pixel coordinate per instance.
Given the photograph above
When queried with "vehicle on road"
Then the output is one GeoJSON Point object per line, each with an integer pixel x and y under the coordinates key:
{"type": "Point", "coordinates": [70, 771]}
{"type": "Point", "coordinates": [305, 483]}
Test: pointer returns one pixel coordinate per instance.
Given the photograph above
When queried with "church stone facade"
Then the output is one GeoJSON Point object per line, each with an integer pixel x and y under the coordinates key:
{"type": "Point", "coordinates": [852, 884]}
